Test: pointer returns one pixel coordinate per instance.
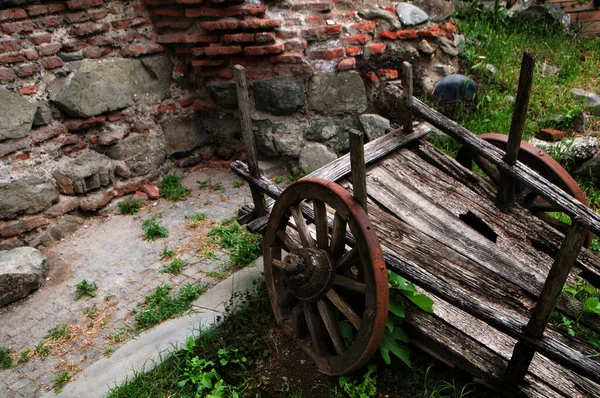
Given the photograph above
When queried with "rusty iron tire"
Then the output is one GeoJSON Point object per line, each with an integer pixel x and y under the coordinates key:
{"type": "Point", "coordinates": [539, 161]}
{"type": "Point", "coordinates": [366, 269]}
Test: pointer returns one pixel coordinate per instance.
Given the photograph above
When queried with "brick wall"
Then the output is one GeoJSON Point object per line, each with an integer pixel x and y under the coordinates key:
{"type": "Point", "coordinates": [584, 13]}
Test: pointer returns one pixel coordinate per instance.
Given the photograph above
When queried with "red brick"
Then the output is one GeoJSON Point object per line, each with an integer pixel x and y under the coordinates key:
{"type": "Point", "coordinates": [140, 196]}
{"type": "Point", "coordinates": [347, 63]}
{"type": "Point", "coordinates": [151, 190]}
{"type": "Point", "coordinates": [200, 105]}
{"type": "Point", "coordinates": [406, 34]}
{"type": "Point", "coordinates": [219, 164]}
{"type": "Point", "coordinates": [49, 49]}
{"type": "Point", "coordinates": [26, 70]}
{"type": "Point", "coordinates": [264, 50]}
{"type": "Point", "coordinates": [291, 58]}
{"type": "Point", "coordinates": [187, 38]}
{"type": "Point", "coordinates": [373, 77]}
{"type": "Point", "coordinates": [259, 23]}
{"type": "Point", "coordinates": [47, 22]}
{"type": "Point", "coordinates": [30, 54]}
{"type": "Point", "coordinates": [37, 9]}
{"type": "Point", "coordinates": [223, 50]}
{"type": "Point", "coordinates": [356, 39]}
{"type": "Point", "coordinates": [264, 37]}
{"type": "Point", "coordinates": [221, 73]}
{"type": "Point", "coordinates": [10, 45]}
{"type": "Point", "coordinates": [83, 4]}
{"type": "Point", "coordinates": [296, 45]}
{"type": "Point", "coordinates": [115, 116]}
{"type": "Point", "coordinates": [354, 51]}
{"type": "Point", "coordinates": [130, 22]}
{"type": "Point", "coordinates": [205, 12]}
{"type": "Point", "coordinates": [89, 28]}
{"type": "Point", "coordinates": [65, 204]}
{"type": "Point", "coordinates": [77, 17]}
{"type": "Point", "coordinates": [321, 32]}
{"type": "Point", "coordinates": [79, 124]}
{"type": "Point", "coordinates": [223, 24]}
{"type": "Point", "coordinates": [431, 32]}
{"type": "Point", "coordinates": [287, 33]}
{"type": "Point", "coordinates": [196, 51]}
{"type": "Point", "coordinates": [41, 38]}
{"type": "Point", "coordinates": [9, 146]}
{"type": "Point", "coordinates": [449, 27]}
{"type": "Point", "coordinates": [327, 53]}
{"type": "Point", "coordinates": [314, 19]}
{"type": "Point", "coordinates": [74, 45]}
{"type": "Point", "coordinates": [388, 74]}
{"type": "Point", "coordinates": [12, 14]}
{"type": "Point", "coordinates": [375, 48]}
{"type": "Point", "coordinates": [7, 75]}
{"type": "Point", "coordinates": [11, 58]}
{"type": "Point", "coordinates": [369, 26]}
{"type": "Point", "coordinates": [20, 226]}
{"type": "Point", "coordinates": [245, 10]}
{"type": "Point", "coordinates": [28, 90]}
{"type": "Point", "coordinates": [391, 9]}
{"type": "Point", "coordinates": [97, 200]}
{"type": "Point", "coordinates": [386, 34]}
{"type": "Point", "coordinates": [169, 12]}
{"type": "Point", "coordinates": [56, 7]}
{"type": "Point", "coordinates": [45, 133]}
{"type": "Point", "coordinates": [187, 101]}
{"type": "Point", "coordinates": [17, 27]}
{"type": "Point", "coordinates": [239, 38]}
{"type": "Point", "coordinates": [209, 62]}
{"type": "Point", "coordinates": [20, 157]}
{"type": "Point", "coordinates": [259, 74]}
{"type": "Point", "coordinates": [137, 49]}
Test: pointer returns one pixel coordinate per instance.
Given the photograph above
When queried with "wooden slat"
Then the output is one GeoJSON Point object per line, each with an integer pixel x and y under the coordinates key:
{"type": "Point", "coordinates": [315, 330]}
{"type": "Point", "coordinates": [357, 167]}
{"type": "Point", "coordinates": [338, 236]}
{"type": "Point", "coordinates": [344, 308]}
{"type": "Point", "coordinates": [321, 224]}
{"type": "Point", "coordinates": [331, 326]}
{"type": "Point", "coordinates": [349, 284]}
{"type": "Point", "coordinates": [303, 231]}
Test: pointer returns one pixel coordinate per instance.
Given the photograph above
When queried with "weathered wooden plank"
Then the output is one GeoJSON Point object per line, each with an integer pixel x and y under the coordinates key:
{"type": "Point", "coordinates": [357, 167]}
{"type": "Point", "coordinates": [407, 85]}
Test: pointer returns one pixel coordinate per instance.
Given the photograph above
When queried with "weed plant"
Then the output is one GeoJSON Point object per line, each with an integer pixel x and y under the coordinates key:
{"type": "Point", "coordinates": [238, 184]}
{"type": "Point", "coordinates": [153, 230]}
{"type": "Point", "coordinates": [167, 253]}
{"type": "Point", "coordinates": [244, 247]}
{"type": "Point", "coordinates": [5, 358]}
{"type": "Point", "coordinates": [175, 266]}
{"type": "Point", "coordinates": [60, 380]}
{"type": "Point", "coordinates": [25, 355]}
{"type": "Point", "coordinates": [85, 289]}
{"type": "Point", "coordinates": [172, 188]}
{"type": "Point", "coordinates": [58, 332]}
{"type": "Point", "coordinates": [131, 206]}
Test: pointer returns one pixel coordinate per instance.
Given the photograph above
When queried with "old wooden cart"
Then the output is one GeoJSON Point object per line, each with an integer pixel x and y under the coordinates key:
{"type": "Point", "coordinates": [474, 244]}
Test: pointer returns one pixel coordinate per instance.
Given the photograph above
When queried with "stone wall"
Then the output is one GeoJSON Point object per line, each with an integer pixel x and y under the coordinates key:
{"type": "Point", "coordinates": [98, 97]}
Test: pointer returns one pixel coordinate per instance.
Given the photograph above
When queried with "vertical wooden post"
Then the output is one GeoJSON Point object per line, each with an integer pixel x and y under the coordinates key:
{"type": "Point", "coordinates": [407, 94]}
{"type": "Point", "coordinates": [260, 207]}
{"type": "Point", "coordinates": [565, 259]}
{"type": "Point", "coordinates": [507, 185]}
{"type": "Point", "coordinates": [357, 165]}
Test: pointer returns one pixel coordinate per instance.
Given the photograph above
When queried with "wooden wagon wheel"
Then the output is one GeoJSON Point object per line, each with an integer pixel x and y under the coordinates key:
{"type": "Point", "coordinates": [537, 160]}
{"type": "Point", "coordinates": [332, 300]}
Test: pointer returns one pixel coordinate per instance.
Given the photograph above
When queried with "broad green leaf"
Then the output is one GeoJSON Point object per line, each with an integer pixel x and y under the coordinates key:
{"type": "Point", "coordinates": [423, 302]}
{"type": "Point", "coordinates": [389, 324]}
{"type": "Point", "coordinates": [592, 304]}
{"type": "Point", "coordinates": [345, 330]}
{"type": "Point", "coordinates": [389, 343]}
{"type": "Point", "coordinates": [396, 308]}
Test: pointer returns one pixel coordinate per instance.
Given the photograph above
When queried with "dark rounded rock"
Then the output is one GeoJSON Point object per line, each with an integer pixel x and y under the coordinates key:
{"type": "Point", "coordinates": [455, 88]}
{"type": "Point", "coordinates": [279, 97]}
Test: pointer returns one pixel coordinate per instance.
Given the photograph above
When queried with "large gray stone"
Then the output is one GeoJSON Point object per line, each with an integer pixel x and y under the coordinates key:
{"type": "Point", "coordinates": [287, 138]}
{"type": "Point", "coordinates": [332, 94]}
{"type": "Point", "coordinates": [90, 170]}
{"type": "Point", "coordinates": [455, 88]}
{"type": "Point", "coordinates": [578, 148]}
{"type": "Point", "coordinates": [182, 134]}
{"type": "Point", "coordinates": [590, 101]}
{"type": "Point", "coordinates": [437, 10]}
{"type": "Point", "coordinates": [224, 94]}
{"type": "Point", "coordinates": [279, 97]}
{"type": "Point", "coordinates": [374, 126]}
{"type": "Point", "coordinates": [143, 153]}
{"type": "Point", "coordinates": [381, 14]}
{"type": "Point", "coordinates": [448, 46]}
{"type": "Point", "coordinates": [411, 15]}
{"type": "Point", "coordinates": [326, 129]}
{"type": "Point", "coordinates": [22, 270]}
{"type": "Point", "coordinates": [314, 156]}
{"type": "Point", "coordinates": [263, 133]}
{"type": "Point", "coordinates": [29, 195]}
{"type": "Point", "coordinates": [99, 86]}
{"type": "Point", "coordinates": [16, 115]}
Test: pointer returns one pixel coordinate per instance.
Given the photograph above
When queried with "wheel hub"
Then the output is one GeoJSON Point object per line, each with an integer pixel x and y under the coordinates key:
{"type": "Point", "coordinates": [309, 273]}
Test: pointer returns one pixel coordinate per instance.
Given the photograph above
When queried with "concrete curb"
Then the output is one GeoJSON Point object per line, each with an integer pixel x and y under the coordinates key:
{"type": "Point", "coordinates": [153, 346]}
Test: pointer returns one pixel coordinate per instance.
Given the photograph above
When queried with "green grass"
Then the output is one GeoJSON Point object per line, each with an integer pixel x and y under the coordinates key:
{"type": "Point", "coordinates": [175, 266]}
{"type": "Point", "coordinates": [153, 230]}
{"type": "Point", "coordinates": [238, 184]}
{"type": "Point", "coordinates": [58, 332]}
{"type": "Point", "coordinates": [5, 358]}
{"type": "Point", "coordinates": [163, 304]}
{"type": "Point", "coordinates": [131, 206]}
{"type": "Point", "coordinates": [243, 246]}
{"type": "Point", "coordinates": [172, 188]}
{"type": "Point", "coordinates": [24, 356]}
{"type": "Point", "coordinates": [85, 289]}
{"type": "Point", "coordinates": [167, 253]}
{"type": "Point", "coordinates": [204, 183]}
{"type": "Point", "coordinates": [497, 40]}
{"type": "Point", "coordinates": [60, 380]}
{"type": "Point", "coordinates": [42, 350]}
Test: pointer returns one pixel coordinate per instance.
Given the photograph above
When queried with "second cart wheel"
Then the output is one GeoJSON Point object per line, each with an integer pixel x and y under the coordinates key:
{"type": "Point", "coordinates": [332, 299]}
{"type": "Point", "coordinates": [537, 160]}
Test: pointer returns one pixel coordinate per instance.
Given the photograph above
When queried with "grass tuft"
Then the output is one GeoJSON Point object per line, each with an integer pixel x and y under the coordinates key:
{"type": "Point", "coordinates": [172, 188]}
{"type": "Point", "coordinates": [5, 358]}
{"type": "Point", "coordinates": [154, 230]}
{"type": "Point", "coordinates": [131, 206]}
{"type": "Point", "coordinates": [244, 246]}
{"type": "Point", "coordinates": [85, 288]}
{"type": "Point", "coordinates": [175, 266]}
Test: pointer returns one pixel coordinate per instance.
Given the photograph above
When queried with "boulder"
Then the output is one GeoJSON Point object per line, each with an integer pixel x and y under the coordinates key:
{"type": "Point", "coordinates": [579, 148]}
{"type": "Point", "coordinates": [22, 270]}
{"type": "Point", "coordinates": [314, 156]}
{"type": "Point", "coordinates": [411, 15]}
{"type": "Point", "coordinates": [455, 88]}
{"type": "Point", "coordinates": [99, 86]}
{"type": "Point", "coordinates": [374, 126]}
{"type": "Point", "coordinates": [182, 134]}
{"type": "Point", "coordinates": [591, 101]}
{"type": "Point", "coordinates": [28, 195]}
{"type": "Point", "coordinates": [447, 46]}
{"type": "Point", "coordinates": [272, 168]}
{"type": "Point", "coordinates": [263, 133]}
{"type": "Point", "coordinates": [143, 153]}
{"type": "Point", "coordinates": [224, 94]}
{"type": "Point", "coordinates": [381, 14]}
{"type": "Point", "coordinates": [325, 129]}
{"type": "Point", "coordinates": [287, 138]}
{"type": "Point", "coordinates": [334, 94]}
{"type": "Point", "coordinates": [279, 97]}
{"type": "Point", "coordinates": [16, 116]}
{"type": "Point", "coordinates": [90, 170]}
{"type": "Point", "coordinates": [437, 10]}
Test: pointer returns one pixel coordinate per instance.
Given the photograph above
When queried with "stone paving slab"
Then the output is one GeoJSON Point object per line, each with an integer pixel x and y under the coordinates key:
{"type": "Point", "coordinates": [110, 251]}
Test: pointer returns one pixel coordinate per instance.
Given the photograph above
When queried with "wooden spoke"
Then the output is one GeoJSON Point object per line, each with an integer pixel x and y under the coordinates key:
{"type": "Point", "coordinates": [347, 260]}
{"type": "Point", "coordinates": [303, 231]}
{"type": "Point", "coordinates": [489, 169]}
{"type": "Point", "coordinates": [287, 241]}
{"type": "Point", "coordinates": [338, 236]}
{"type": "Point", "coordinates": [286, 300]}
{"type": "Point", "coordinates": [298, 321]}
{"type": "Point", "coordinates": [321, 224]}
{"type": "Point", "coordinates": [314, 329]}
{"type": "Point", "coordinates": [331, 326]}
{"type": "Point", "coordinates": [349, 284]}
{"type": "Point", "coordinates": [344, 308]}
